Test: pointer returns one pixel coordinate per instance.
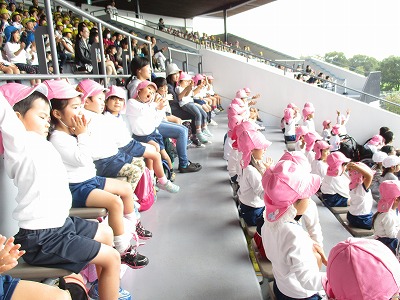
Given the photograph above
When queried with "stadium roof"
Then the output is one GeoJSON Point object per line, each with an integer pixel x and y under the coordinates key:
{"type": "Point", "coordinates": [187, 9]}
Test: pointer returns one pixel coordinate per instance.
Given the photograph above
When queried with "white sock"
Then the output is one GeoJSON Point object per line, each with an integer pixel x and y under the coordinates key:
{"type": "Point", "coordinates": [120, 243]}
{"type": "Point", "coordinates": [131, 217]}
{"type": "Point", "coordinates": [163, 180]}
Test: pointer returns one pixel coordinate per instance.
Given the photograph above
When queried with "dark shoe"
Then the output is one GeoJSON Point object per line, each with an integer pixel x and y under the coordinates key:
{"type": "Point", "coordinates": [134, 259]}
{"type": "Point", "coordinates": [143, 233]}
{"type": "Point", "coordinates": [259, 120]}
{"type": "Point", "coordinates": [191, 167]}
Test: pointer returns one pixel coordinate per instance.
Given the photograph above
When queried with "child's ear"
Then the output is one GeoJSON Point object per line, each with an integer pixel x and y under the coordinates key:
{"type": "Point", "coordinates": [56, 113]}
{"type": "Point", "coordinates": [19, 116]}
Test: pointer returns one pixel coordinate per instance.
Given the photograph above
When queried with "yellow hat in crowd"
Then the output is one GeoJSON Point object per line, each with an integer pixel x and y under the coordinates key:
{"type": "Point", "coordinates": [4, 11]}
{"type": "Point", "coordinates": [65, 30]}
{"type": "Point", "coordinates": [26, 20]}
{"type": "Point", "coordinates": [59, 23]}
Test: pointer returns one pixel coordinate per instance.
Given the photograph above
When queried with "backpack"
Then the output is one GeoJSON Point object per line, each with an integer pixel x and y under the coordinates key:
{"type": "Point", "coordinates": [170, 149]}
{"type": "Point", "coordinates": [145, 191]}
{"type": "Point", "coordinates": [350, 148]}
{"type": "Point", "coordinates": [167, 170]}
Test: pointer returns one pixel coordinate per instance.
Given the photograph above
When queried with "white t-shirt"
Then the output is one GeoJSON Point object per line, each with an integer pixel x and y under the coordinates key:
{"type": "Point", "coordinates": [290, 128]}
{"type": "Point", "coordinates": [186, 99]}
{"type": "Point", "coordinates": [335, 142]}
{"type": "Point", "coordinates": [387, 224]}
{"type": "Point", "coordinates": [360, 201]}
{"type": "Point", "coordinates": [336, 185]}
{"type": "Point", "coordinates": [319, 167]}
{"type": "Point", "coordinates": [310, 219]}
{"type": "Point", "coordinates": [309, 124]}
{"type": "Point", "coordinates": [251, 191]}
{"type": "Point", "coordinates": [234, 159]}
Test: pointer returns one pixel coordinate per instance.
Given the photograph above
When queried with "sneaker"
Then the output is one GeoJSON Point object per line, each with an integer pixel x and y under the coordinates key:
{"type": "Point", "coordinates": [134, 259]}
{"type": "Point", "coordinates": [143, 233]}
{"type": "Point", "coordinates": [201, 138]}
{"type": "Point", "coordinates": [94, 292]}
{"type": "Point", "coordinates": [216, 111]}
{"type": "Point", "coordinates": [207, 132]}
{"type": "Point", "coordinates": [197, 143]}
{"type": "Point", "coordinates": [169, 187]}
{"type": "Point", "coordinates": [259, 119]}
{"type": "Point", "coordinates": [191, 167]}
{"type": "Point", "coordinates": [173, 176]}
{"type": "Point", "coordinates": [213, 114]}
{"type": "Point", "coordinates": [212, 123]}
{"type": "Point", "coordinates": [220, 108]}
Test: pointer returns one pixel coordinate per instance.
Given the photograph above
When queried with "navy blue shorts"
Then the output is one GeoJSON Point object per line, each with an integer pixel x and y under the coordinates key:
{"type": "Point", "coordinates": [334, 200]}
{"type": "Point", "coordinates": [251, 214]}
{"type": "Point", "coordinates": [280, 296]}
{"type": "Point", "coordinates": [69, 247]}
{"type": "Point", "coordinates": [199, 101]}
{"type": "Point", "coordinates": [154, 136]}
{"type": "Point", "coordinates": [362, 221]}
{"type": "Point", "coordinates": [290, 138]}
{"type": "Point", "coordinates": [110, 166]}
{"type": "Point", "coordinates": [390, 242]}
{"type": "Point", "coordinates": [7, 286]}
{"type": "Point", "coordinates": [80, 191]}
{"type": "Point", "coordinates": [134, 149]}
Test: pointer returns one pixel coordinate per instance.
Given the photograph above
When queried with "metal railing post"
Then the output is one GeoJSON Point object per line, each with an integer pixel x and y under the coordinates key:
{"type": "Point", "coordinates": [102, 56]}
{"type": "Point", "coordinates": [52, 39]}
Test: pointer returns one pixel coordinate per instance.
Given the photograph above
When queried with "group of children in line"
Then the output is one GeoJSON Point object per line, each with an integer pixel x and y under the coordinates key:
{"type": "Point", "coordinates": [276, 197]}
{"type": "Point", "coordinates": [65, 147]}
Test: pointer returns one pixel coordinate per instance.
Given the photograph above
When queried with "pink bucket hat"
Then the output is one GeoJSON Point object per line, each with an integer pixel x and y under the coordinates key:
{"type": "Point", "coordinates": [142, 85]}
{"type": "Point", "coordinates": [238, 101]}
{"type": "Point", "coordinates": [353, 263]}
{"type": "Point", "coordinates": [336, 129]}
{"type": "Point", "coordinates": [16, 92]}
{"type": "Point", "coordinates": [184, 76]}
{"type": "Point", "coordinates": [248, 141]}
{"type": "Point", "coordinates": [307, 111]}
{"type": "Point", "coordinates": [310, 138]}
{"type": "Point", "coordinates": [235, 109]}
{"type": "Point", "coordinates": [326, 123]}
{"type": "Point", "coordinates": [356, 177]}
{"type": "Point", "coordinates": [288, 114]}
{"type": "Point", "coordinates": [90, 88]}
{"type": "Point", "coordinates": [298, 158]}
{"type": "Point", "coordinates": [233, 122]}
{"type": "Point", "coordinates": [300, 131]}
{"type": "Point", "coordinates": [379, 156]}
{"type": "Point", "coordinates": [309, 104]}
{"type": "Point", "coordinates": [376, 140]}
{"type": "Point", "coordinates": [335, 161]}
{"type": "Point", "coordinates": [247, 90]}
{"type": "Point", "coordinates": [291, 105]}
{"type": "Point", "coordinates": [284, 184]}
{"type": "Point", "coordinates": [209, 77]}
{"type": "Point", "coordinates": [197, 78]}
{"type": "Point", "coordinates": [116, 91]}
{"type": "Point", "coordinates": [389, 190]}
{"type": "Point", "coordinates": [242, 127]}
{"type": "Point", "coordinates": [61, 89]}
{"type": "Point", "coordinates": [391, 161]}
{"type": "Point", "coordinates": [318, 147]}
{"type": "Point", "coordinates": [241, 94]}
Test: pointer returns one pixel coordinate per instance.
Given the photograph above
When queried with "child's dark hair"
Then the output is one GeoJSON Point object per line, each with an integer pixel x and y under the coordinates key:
{"type": "Point", "coordinates": [385, 171]}
{"type": "Point", "coordinates": [388, 149]}
{"type": "Point", "coordinates": [23, 106]}
{"type": "Point", "coordinates": [136, 64]}
{"type": "Point", "coordinates": [388, 136]}
{"type": "Point", "coordinates": [160, 82]}
{"type": "Point", "coordinates": [383, 129]}
{"type": "Point", "coordinates": [58, 104]}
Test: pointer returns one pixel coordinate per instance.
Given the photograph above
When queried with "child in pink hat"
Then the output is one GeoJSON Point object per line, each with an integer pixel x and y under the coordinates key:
{"type": "Point", "coordinates": [342, 121]}
{"type": "Point", "coordinates": [335, 141]}
{"type": "Point", "coordinates": [335, 185]}
{"type": "Point", "coordinates": [300, 143]}
{"type": "Point", "coordinates": [386, 221]}
{"type": "Point", "coordinates": [212, 93]}
{"type": "Point", "coordinates": [326, 132]}
{"type": "Point", "coordinates": [252, 145]}
{"type": "Point", "coordinates": [319, 165]}
{"type": "Point", "coordinates": [184, 90]}
{"type": "Point", "coordinates": [310, 138]}
{"type": "Point", "coordinates": [352, 265]}
{"type": "Point", "coordinates": [291, 117]}
{"type": "Point", "coordinates": [288, 188]}
{"type": "Point", "coordinates": [375, 143]}
{"type": "Point", "coordinates": [308, 116]}
{"type": "Point", "coordinates": [48, 235]}
{"type": "Point", "coordinates": [70, 138]}
{"type": "Point", "coordinates": [359, 214]}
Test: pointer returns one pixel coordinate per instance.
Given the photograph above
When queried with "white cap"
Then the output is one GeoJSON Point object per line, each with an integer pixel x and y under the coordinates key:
{"type": "Point", "coordinates": [391, 161]}
{"type": "Point", "coordinates": [379, 156]}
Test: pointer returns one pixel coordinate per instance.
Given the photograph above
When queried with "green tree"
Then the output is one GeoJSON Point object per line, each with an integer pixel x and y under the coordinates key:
{"type": "Point", "coordinates": [337, 58]}
{"type": "Point", "coordinates": [363, 64]}
{"type": "Point", "coordinates": [390, 68]}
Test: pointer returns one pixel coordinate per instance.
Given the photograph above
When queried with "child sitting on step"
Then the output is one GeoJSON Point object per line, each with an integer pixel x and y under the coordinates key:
{"type": "Point", "coordinates": [319, 165]}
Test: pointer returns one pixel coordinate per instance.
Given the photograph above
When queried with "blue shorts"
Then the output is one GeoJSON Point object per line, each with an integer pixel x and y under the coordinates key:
{"type": "Point", "coordinates": [290, 138]}
{"type": "Point", "coordinates": [154, 136]}
{"type": "Point", "coordinates": [390, 242]}
{"type": "Point", "coordinates": [280, 296]}
{"type": "Point", "coordinates": [199, 101]}
{"type": "Point", "coordinates": [251, 214]}
{"type": "Point", "coordinates": [362, 221]}
{"type": "Point", "coordinates": [134, 149]}
{"type": "Point", "coordinates": [7, 286]}
{"type": "Point", "coordinates": [69, 247]}
{"type": "Point", "coordinates": [334, 200]}
{"type": "Point", "coordinates": [80, 191]}
{"type": "Point", "coordinates": [110, 166]}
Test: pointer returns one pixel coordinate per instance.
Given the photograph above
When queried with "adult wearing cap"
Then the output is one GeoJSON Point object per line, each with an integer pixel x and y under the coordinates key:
{"type": "Point", "coordinates": [361, 269]}
{"type": "Point", "coordinates": [15, 51]}
{"type": "Point", "coordinates": [288, 188]}
{"type": "Point", "coordinates": [140, 71]}
{"type": "Point", "coordinates": [172, 72]}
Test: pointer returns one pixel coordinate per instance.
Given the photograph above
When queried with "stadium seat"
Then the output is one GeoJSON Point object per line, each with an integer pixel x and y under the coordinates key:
{"type": "Point", "coordinates": [356, 232]}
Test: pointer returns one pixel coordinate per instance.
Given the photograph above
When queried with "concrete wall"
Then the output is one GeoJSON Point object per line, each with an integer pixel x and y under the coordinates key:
{"type": "Point", "coordinates": [277, 90]}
